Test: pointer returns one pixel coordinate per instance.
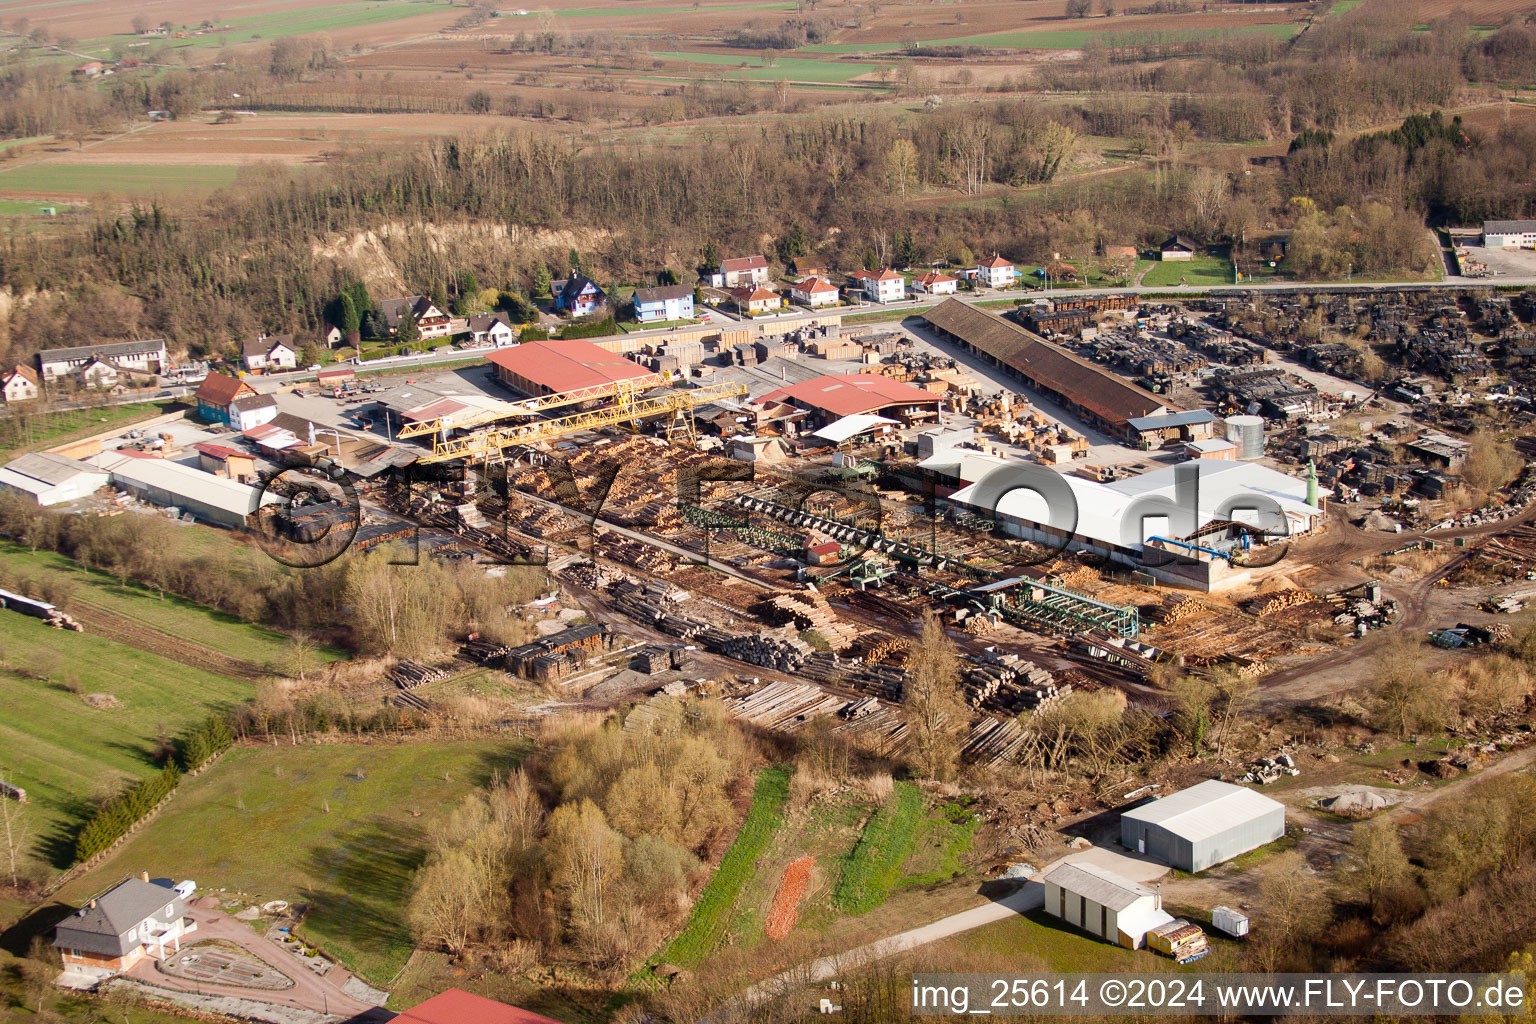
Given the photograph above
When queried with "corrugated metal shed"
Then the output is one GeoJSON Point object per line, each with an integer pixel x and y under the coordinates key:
{"type": "Point", "coordinates": [1097, 884]}
{"type": "Point", "coordinates": [1203, 825]}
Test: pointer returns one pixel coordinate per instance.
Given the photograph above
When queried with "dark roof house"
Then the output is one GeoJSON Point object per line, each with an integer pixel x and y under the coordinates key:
{"type": "Point", "coordinates": [110, 924]}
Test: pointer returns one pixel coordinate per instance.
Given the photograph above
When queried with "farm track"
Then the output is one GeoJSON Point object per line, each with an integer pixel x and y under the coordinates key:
{"type": "Point", "coordinates": [100, 622]}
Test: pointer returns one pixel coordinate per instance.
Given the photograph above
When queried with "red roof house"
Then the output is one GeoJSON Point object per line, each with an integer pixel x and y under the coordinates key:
{"type": "Point", "coordinates": [456, 1006]}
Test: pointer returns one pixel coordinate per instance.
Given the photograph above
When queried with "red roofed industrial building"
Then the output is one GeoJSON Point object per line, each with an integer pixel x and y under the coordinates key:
{"type": "Point", "coordinates": [553, 367]}
{"type": "Point", "coordinates": [456, 1006]}
{"type": "Point", "coordinates": [833, 396]}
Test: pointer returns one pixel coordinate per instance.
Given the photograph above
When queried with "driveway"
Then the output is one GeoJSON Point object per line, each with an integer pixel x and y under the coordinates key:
{"type": "Point", "coordinates": [309, 991]}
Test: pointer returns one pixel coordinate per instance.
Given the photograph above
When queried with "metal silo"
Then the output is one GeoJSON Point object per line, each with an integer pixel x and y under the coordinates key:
{"type": "Point", "coordinates": [1247, 432]}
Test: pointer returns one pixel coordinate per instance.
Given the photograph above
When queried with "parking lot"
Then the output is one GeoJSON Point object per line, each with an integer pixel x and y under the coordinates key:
{"type": "Point", "coordinates": [1502, 262]}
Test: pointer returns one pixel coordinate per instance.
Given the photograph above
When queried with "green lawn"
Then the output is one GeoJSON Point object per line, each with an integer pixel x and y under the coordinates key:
{"type": "Point", "coordinates": [795, 69]}
{"type": "Point", "coordinates": [64, 752]}
{"type": "Point", "coordinates": [717, 903]}
{"type": "Point", "coordinates": [1198, 272]}
{"type": "Point", "coordinates": [121, 179]}
{"type": "Point", "coordinates": [873, 866]}
{"type": "Point", "coordinates": [335, 827]}
{"type": "Point", "coordinates": [631, 326]}
{"type": "Point", "coordinates": [25, 431]}
{"type": "Point", "coordinates": [246, 641]}
{"type": "Point", "coordinates": [29, 208]}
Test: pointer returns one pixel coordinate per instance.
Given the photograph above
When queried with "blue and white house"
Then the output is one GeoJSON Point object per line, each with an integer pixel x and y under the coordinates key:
{"type": "Point", "coordinates": [670, 302]}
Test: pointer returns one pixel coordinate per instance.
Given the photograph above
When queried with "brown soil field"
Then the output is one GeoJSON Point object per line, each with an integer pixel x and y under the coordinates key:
{"type": "Point", "coordinates": [927, 21]}
{"type": "Point", "coordinates": [1482, 12]}
{"type": "Point", "coordinates": [785, 909]}
{"type": "Point", "coordinates": [271, 138]}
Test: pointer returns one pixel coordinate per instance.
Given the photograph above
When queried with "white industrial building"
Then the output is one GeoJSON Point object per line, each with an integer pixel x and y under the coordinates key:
{"type": "Point", "coordinates": [206, 497]}
{"type": "Point", "coordinates": [1204, 825]}
{"type": "Point", "coordinates": [1509, 234]}
{"type": "Point", "coordinates": [50, 479]}
{"type": "Point", "coordinates": [1103, 904]}
{"type": "Point", "coordinates": [1158, 510]}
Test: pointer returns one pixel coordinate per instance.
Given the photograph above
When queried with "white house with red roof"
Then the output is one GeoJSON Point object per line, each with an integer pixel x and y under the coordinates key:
{"type": "Point", "coordinates": [743, 271]}
{"type": "Point", "coordinates": [996, 272]}
{"type": "Point", "coordinates": [814, 292]}
{"type": "Point", "coordinates": [756, 300]}
{"type": "Point", "coordinates": [883, 285]}
{"type": "Point", "coordinates": [935, 283]}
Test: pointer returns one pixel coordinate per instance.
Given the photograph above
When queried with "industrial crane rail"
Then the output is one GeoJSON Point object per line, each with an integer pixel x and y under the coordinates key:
{"type": "Point", "coordinates": [623, 391]}
{"type": "Point", "coordinates": [475, 447]}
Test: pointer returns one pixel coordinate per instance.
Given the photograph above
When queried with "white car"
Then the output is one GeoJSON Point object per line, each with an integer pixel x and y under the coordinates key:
{"type": "Point", "coordinates": [185, 888]}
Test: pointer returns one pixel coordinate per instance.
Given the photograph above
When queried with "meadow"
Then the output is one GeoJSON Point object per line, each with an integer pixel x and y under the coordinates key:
{"type": "Point", "coordinates": [58, 178]}
{"type": "Point", "coordinates": [337, 828]}
{"type": "Point", "coordinates": [1202, 270]}
{"type": "Point", "coordinates": [63, 751]}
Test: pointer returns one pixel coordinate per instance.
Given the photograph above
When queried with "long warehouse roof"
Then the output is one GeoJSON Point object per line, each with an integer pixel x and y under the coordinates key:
{"type": "Point", "coordinates": [569, 365]}
{"type": "Point", "coordinates": [1202, 811]}
{"type": "Point", "coordinates": [1106, 395]}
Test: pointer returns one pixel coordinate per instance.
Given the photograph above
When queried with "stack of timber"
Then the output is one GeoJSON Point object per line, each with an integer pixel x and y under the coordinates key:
{"type": "Point", "coordinates": [484, 652]}
{"type": "Point", "coordinates": [808, 609]}
{"type": "Point", "coordinates": [883, 681]}
{"type": "Point", "coordinates": [408, 674]}
{"type": "Point", "coordinates": [1283, 600]}
{"type": "Point", "coordinates": [787, 707]}
{"type": "Point", "coordinates": [876, 647]}
{"type": "Point", "coordinates": [993, 741]}
{"type": "Point", "coordinates": [1010, 685]}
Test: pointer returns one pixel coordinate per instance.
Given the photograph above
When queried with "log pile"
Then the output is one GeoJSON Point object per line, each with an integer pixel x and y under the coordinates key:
{"type": "Point", "coordinates": [408, 674]}
{"type": "Point", "coordinates": [1009, 685]}
{"type": "Point", "coordinates": [809, 610]}
{"type": "Point", "coordinates": [880, 648]}
{"type": "Point", "coordinates": [993, 741]}
{"type": "Point", "coordinates": [63, 620]}
{"type": "Point", "coordinates": [1185, 609]}
{"type": "Point", "coordinates": [634, 553]}
{"type": "Point", "coordinates": [484, 652]}
{"type": "Point", "coordinates": [1283, 600]}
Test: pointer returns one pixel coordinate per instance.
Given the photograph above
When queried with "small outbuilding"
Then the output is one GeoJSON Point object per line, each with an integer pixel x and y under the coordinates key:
{"type": "Point", "coordinates": [50, 479]}
{"type": "Point", "coordinates": [1204, 825]}
{"type": "Point", "coordinates": [1102, 903]}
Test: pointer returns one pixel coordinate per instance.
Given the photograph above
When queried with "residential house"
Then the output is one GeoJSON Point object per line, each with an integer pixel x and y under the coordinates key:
{"type": "Point", "coordinates": [270, 352]}
{"type": "Point", "coordinates": [1176, 247]}
{"type": "Point", "coordinates": [216, 396]}
{"type": "Point", "coordinates": [139, 356]}
{"type": "Point", "coordinates": [814, 292]}
{"type": "Point", "coordinates": [250, 411]}
{"type": "Point", "coordinates": [935, 283]}
{"type": "Point", "coordinates": [101, 375]}
{"type": "Point", "coordinates": [756, 300]}
{"type": "Point", "coordinates": [133, 921]}
{"type": "Point", "coordinates": [90, 69]}
{"type": "Point", "coordinates": [669, 302]}
{"type": "Point", "coordinates": [884, 285]}
{"type": "Point", "coordinates": [20, 385]}
{"type": "Point", "coordinates": [430, 321]}
{"type": "Point", "coordinates": [743, 271]}
{"type": "Point", "coordinates": [809, 266]}
{"type": "Point", "coordinates": [995, 272]}
{"type": "Point", "coordinates": [222, 460]}
{"type": "Point", "coordinates": [578, 295]}
{"type": "Point", "coordinates": [491, 329]}
{"type": "Point", "coordinates": [329, 335]}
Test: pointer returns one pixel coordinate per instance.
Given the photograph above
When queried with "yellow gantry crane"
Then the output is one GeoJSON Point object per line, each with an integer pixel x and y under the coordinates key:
{"type": "Point", "coordinates": [622, 392]}
{"type": "Point", "coordinates": [488, 446]}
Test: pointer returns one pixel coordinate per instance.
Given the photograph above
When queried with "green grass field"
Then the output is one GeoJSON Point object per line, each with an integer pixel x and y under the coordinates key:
{"type": "Point", "coordinates": [334, 827]}
{"type": "Point", "coordinates": [873, 867]}
{"type": "Point", "coordinates": [56, 427]}
{"type": "Point", "coordinates": [29, 208]}
{"type": "Point", "coordinates": [1200, 271]}
{"type": "Point", "coordinates": [64, 752]}
{"type": "Point", "coordinates": [712, 913]}
{"type": "Point", "coordinates": [794, 69]}
{"type": "Point", "coordinates": [246, 641]}
{"type": "Point", "coordinates": [120, 179]}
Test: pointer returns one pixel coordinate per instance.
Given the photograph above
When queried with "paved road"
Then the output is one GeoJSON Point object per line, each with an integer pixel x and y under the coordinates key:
{"type": "Point", "coordinates": [1030, 896]}
{"type": "Point", "coordinates": [309, 991]}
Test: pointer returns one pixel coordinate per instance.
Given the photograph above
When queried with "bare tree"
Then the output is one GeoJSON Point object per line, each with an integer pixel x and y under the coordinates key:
{"type": "Point", "coordinates": [13, 819]}
{"type": "Point", "coordinates": [936, 714]}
